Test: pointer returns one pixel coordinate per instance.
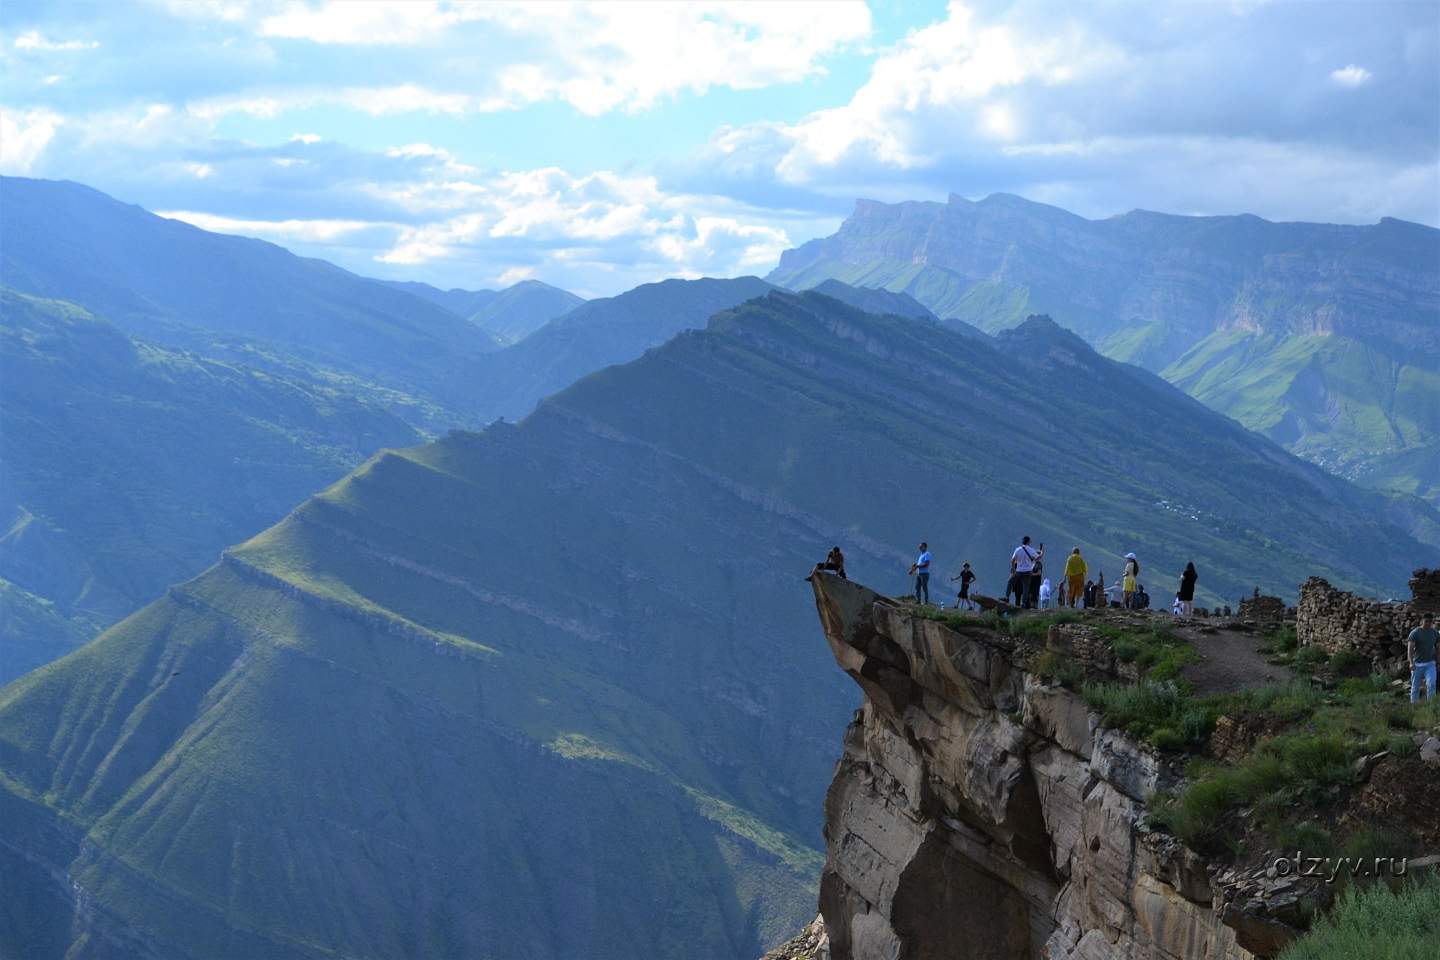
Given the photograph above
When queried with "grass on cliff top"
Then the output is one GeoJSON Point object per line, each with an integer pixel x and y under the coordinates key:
{"type": "Point", "coordinates": [1377, 923]}
{"type": "Point", "coordinates": [1028, 626]}
{"type": "Point", "coordinates": [1295, 773]}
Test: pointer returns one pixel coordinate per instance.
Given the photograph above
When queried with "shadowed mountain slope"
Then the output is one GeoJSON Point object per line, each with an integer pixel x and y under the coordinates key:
{"type": "Point", "coordinates": [508, 315]}
{"type": "Point", "coordinates": [125, 467]}
{"type": "Point", "coordinates": [544, 692]}
{"type": "Point", "coordinates": [520, 310]}
{"type": "Point", "coordinates": [598, 334]}
{"type": "Point", "coordinates": [1324, 337]}
{"type": "Point", "coordinates": [245, 299]}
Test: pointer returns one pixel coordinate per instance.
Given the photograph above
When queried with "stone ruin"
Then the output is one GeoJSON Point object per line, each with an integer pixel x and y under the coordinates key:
{"type": "Point", "coordinates": [1263, 609]}
{"type": "Point", "coordinates": [1335, 620]}
{"type": "Point", "coordinates": [1425, 590]}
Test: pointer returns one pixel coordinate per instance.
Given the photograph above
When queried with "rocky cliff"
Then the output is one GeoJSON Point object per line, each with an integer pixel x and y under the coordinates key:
{"type": "Point", "coordinates": [980, 811]}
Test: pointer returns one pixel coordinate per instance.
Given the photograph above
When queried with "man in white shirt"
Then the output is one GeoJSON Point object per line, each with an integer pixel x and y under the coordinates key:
{"type": "Point", "coordinates": [921, 569]}
{"type": "Point", "coordinates": [1022, 563]}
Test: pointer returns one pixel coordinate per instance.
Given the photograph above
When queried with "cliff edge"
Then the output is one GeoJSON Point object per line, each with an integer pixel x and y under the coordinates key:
{"type": "Point", "coordinates": [981, 811]}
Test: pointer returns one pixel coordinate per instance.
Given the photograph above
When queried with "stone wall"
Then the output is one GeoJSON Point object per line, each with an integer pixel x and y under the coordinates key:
{"type": "Point", "coordinates": [980, 811]}
{"type": "Point", "coordinates": [1334, 620]}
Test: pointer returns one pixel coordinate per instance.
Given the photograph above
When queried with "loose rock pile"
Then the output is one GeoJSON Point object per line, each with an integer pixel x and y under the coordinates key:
{"type": "Point", "coordinates": [1425, 590]}
{"type": "Point", "coordinates": [1263, 609]}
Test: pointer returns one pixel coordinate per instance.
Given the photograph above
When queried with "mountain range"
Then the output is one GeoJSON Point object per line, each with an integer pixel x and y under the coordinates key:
{"type": "Point", "coordinates": [543, 691]}
{"type": "Point", "coordinates": [238, 299]}
{"type": "Point", "coordinates": [127, 467]}
{"type": "Point", "coordinates": [1325, 338]}
{"type": "Point", "coordinates": [509, 315]}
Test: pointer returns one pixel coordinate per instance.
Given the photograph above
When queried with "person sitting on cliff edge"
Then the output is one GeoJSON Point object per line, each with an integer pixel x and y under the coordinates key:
{"type": "Point", "coordinates": [834, 562]}
{"type": "Point", "coordinates": [1420, 650]}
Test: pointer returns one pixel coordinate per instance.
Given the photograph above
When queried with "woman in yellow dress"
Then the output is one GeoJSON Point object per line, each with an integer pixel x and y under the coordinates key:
{"type": "Point", "coordinates": [1127, 581]}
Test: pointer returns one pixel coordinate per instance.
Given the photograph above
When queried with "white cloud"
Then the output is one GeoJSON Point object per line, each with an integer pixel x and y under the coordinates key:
{"type": "Point", "coordinates": [307, 231]}
{"type": "Point", "coordinates": [199, 170]}
{"type": "Point", "coordinates": [724, 245]}
{"type": "Point", "coordinates": [597, 222]}
{"type": "Point", "coordinates": [305, 138]}
{"type": "Point", "coordinates": [376, 22]}
{"type": "Point", "coordinates": [34, 40]}
{"type": "Point", "coordinates": [53, 79]}
{"type": "Point", "coordinates": [1350, 76]}
{"type": "Point", "coordinates": [632, 55]}
{"type": "Point", "coordinates": [515, 275]}
{"type": "Point", "coordinates": [934, 89]}
{"type": "Point", "coordinates": [24, 134]}
{"type": "Point", "coordinates": [596, 57]}
{"type": "Point", "coordinates": [376, 101]}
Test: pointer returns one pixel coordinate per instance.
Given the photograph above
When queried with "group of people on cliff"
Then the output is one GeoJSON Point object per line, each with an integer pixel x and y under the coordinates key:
{"type": "Point", "coordinates": [1029, 588]}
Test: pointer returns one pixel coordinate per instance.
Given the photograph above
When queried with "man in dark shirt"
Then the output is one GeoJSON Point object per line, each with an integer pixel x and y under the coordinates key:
{"type": "Point", "coordinates": [1420, 648]}
{"type": "Point", "coordinates": [965, 576]}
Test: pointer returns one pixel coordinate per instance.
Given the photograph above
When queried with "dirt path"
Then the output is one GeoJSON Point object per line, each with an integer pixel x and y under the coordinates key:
{"type": "Point", "coordinates": [1231, 658]}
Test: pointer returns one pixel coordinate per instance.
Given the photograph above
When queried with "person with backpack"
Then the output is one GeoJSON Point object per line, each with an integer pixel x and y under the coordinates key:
{"type": "Point", "coordinates": [1186, 594]}
{"type": "Point", "coordinates": [1128, 579]}
{"type": "Point", "coordinates": [1022, 569]}
{"type": "Point", "coordinates": [921, 569]}
{"type": "Point", "coordinates": [1074, 574]}
{"type": "Point", "coordinates": [966, 577]}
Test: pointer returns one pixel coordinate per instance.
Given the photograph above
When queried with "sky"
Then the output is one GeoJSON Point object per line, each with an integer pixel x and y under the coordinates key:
{"type": "Point", "coordinates": [596, 147]}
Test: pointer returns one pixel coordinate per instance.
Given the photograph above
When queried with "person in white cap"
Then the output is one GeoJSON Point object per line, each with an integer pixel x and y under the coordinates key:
{"type": "Point", "coordinates": [1128, 580]}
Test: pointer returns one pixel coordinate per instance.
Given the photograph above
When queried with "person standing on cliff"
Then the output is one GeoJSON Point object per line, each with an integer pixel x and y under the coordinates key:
{"type": "Point", "coordinates": [966, 576]}
{"type": "Point", "coordinates": [1420, 650]}
{"type": "Point", "coordinates": [1035, 577]}
{"type": "Point", "coordinates": [1075, 570]}
{"type": "Point", "coordinates": [921, 569]}
{"type": "Point", "coordinates": [1186, 595]}
{"type": "Point", "coordinates": [1128, 579]}
{"type": "Point", "coordinates": [1022, 565]}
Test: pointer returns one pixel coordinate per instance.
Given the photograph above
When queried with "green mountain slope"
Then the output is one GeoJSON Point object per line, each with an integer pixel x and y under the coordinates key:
{"type": "Point", "coordinates": [126, 467]}
{"type": "Point", "coordinates": [236, 298]}
{"type": "Point", "coordinates": [462, 303]}
{"type": "Point", "coordinates": [520, 310]}
{"type": "Point", "coordinates": [1332, 400]}
{"type": "Point", "coordinates": [508, 315]}
{"type": "Point", "coordinates": [545, 691]}
{"type": "Point", "coordinates": [598, 334]}
{"type": "Point", "coordinates": [1227, 307]}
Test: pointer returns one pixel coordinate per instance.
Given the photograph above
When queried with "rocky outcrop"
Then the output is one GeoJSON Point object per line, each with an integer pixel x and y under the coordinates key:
{"type": "Point", "coordinates": [979, 811]}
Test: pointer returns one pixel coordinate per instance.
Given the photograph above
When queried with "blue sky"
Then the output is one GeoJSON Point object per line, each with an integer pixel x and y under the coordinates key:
{"type": "Point", "coordinates": [601, 146]}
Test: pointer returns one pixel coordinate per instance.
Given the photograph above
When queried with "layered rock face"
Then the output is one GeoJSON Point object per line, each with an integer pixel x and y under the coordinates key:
{"type": "Point", "coordinates": [980, 812]}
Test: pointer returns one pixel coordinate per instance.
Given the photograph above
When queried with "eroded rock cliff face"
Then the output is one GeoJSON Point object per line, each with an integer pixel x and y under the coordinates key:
{"type": "Point", "coordinates": [978, 811]}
